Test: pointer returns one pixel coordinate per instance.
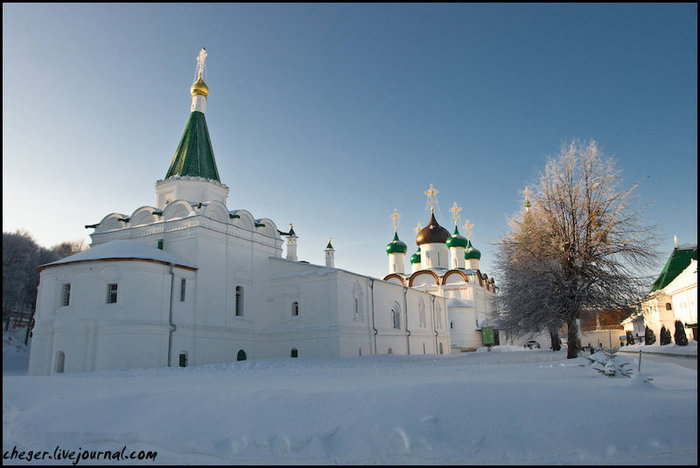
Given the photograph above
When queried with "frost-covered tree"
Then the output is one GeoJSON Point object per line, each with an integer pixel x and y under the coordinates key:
{"type": "Point", "coordinates": [665, 336]}
{"type": "Point", "coordinates": [580, 245]}
{"type": "Point", "coordinates": [649, 336]}
{"type": "Point", "coordinates": [679, 336]}
{"type": "Point", "coordinates": [21, 255]}
{"type": "Point", "coordinates": [523, 301]}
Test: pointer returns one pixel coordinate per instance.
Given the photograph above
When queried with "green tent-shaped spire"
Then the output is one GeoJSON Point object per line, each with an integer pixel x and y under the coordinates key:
{"type": "Point", "coordinates": [194, 156]}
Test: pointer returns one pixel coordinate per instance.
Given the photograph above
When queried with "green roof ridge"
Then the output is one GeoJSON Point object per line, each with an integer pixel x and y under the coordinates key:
{"type": "Point", "coordinates": [678, 261]}
{"type": "Point", "coordinates": [194, 156]}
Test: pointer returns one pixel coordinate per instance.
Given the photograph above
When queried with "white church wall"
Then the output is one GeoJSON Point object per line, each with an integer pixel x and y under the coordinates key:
{"type": "Point", "coordinates": [423, 339]}
{"type": "Point", "coordinates": [93, 334]}
{"type": "Point", "coordinates": [435, 255]}
{"type": "Point", "coordinates": [389, 318]}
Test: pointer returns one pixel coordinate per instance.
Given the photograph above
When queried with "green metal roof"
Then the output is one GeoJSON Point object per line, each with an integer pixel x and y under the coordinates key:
{"type": "Point", "coordinates": [456, 240]}
{"type": "Point", "coordinates": [415, 258]}
{"type": "Point", "coordinates": [471, 253]}
{"type": "Point", "coordinates": [194, 156]}
{"type": "Point", "coordinates": [396, 246]}
{"type": "Point", "coordinates": [678, 261]}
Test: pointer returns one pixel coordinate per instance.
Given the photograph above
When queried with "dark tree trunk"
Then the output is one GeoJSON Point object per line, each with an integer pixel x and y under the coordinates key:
{"type": "Point", "coordinates": [556, 341]}
{"type": "Point", "coordinates": [573, 344]}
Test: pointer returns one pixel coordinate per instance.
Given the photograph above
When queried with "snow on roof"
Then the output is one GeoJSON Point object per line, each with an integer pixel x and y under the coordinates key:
{"type": "Point", "coordinates": [125, 248]}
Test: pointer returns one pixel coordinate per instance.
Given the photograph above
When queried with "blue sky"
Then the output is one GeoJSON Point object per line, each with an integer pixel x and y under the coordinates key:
{"type": "Point", "coordinates": [329, 116]}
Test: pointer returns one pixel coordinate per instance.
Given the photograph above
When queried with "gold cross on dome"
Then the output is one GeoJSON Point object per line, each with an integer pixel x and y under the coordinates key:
{"type": "Point", "coordinates": [527, 193]}
{"type": "Point", "coordinates": [200, 61]}
{"type": "Point", "coordinates": [418, 228]}
{"type": "Point", "coordinates": [468, 228]}
{"type": "Point", "coordinates": [431, 195]}
{"type": "Point", "coordinates": [455, 212]}
{"type": "Point", "coordinates": [396, 217]}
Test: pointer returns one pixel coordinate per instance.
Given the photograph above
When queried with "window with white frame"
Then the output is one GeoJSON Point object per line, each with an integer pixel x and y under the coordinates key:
{"type": "Point", "coordinates": [112, 293]}
{"type": "Point", "coordinates": [239, 301]}
{"type": "Point", "coordinates": [65, 295]}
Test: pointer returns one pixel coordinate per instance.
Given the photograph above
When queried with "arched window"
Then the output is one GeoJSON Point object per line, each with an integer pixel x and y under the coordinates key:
{"type": "Point", "coordinates": [295, 310]}
{"type": "Point", "coordinates": [421, 313]}
{"type": "Point", "coordinates": [390, 351]}
{"type": "Point", "coordinates": [183, 359]}
{"type": "Point", "coordinates": [294, 353]}
{"type": "Point", "coordinates": [239, 303]}
{"type": "Point", "coordinates": [359, 351]}
{"type": "Point", "coordinates": [396, 317]}
{"type": "Point", "coordinates": [241, 356]}
{"type": "Point", "coordinates": [441, 349]}
{"type": "Point", "coordinates": [60, 362]}
{"type": "Point", "coordinates": [423, 348]}
{"type": "Point", "coordinates": [357, 310]}
{"type": "Point", "coordinates": [668, 306]}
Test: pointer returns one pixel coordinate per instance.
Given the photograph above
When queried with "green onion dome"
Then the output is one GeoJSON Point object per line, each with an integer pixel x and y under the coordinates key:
{"type": "Point", "coordinates": [415, 258]}
{"type": "Point", "coordinates": [471, 253]}
{"type": "Point", "coordinates": [432, 233]}
{"type": "Point", "coordinates": [456, 240]}
{"type": "Point", "coordinates": [396, 246]}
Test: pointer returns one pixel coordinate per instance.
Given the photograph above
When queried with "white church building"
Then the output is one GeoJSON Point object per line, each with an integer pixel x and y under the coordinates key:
{"type": "Point", "coordinates": [447, 265]}
{"type": "Point", "coordinates": [189, 281]}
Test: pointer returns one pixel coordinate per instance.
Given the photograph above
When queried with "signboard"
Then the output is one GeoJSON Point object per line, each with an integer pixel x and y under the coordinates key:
{"type": "Point", "coordinates": [487, 335]}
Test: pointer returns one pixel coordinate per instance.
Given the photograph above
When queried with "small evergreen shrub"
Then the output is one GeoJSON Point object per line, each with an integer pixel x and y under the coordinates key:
{"type": "Point", "coordinates": [605, 361]}
{"type": "Point", "coordinates": [649, 336]}
{"type": "Point", "coordinates": [679, 335]}
{"type": "Point", "coordinates": [665, 336]}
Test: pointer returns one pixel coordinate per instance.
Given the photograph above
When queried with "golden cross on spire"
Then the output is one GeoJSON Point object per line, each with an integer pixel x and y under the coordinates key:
{"type": "Point", "coordinates": [418, 228]}
{"type": "Point", "coordinates": [200, 61]}
{"type": "Point", "coordinates": [396, 217]}
{"type": "Point", "coordinates": [431, 194]}
{"type": "Point", "coordinates": [468, 228]}
{"type": "Point", "coordinates": [455, 212]}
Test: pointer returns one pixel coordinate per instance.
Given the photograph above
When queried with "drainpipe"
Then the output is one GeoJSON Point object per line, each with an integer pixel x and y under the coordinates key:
{"type": "Point", "coordinates": [171, 325]}
{"type": "Point", "coordinates": [435, 325]}
{"type": "Point", "coordinates": [408, 332]}
{"type": "Point", "coordinates": [371, 285]}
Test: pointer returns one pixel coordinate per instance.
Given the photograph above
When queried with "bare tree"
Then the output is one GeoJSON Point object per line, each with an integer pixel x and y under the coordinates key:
{"type": "Point", "coordinates": [21, 255]}
{"type": "Point", "coordinates": [579, 246]}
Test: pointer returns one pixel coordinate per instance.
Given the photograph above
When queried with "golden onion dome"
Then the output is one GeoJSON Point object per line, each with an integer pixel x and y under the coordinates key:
{"type": "Point", "coordinates": [199, 87]}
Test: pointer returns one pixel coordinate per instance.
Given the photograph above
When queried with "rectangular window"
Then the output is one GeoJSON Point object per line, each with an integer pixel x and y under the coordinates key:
{"type": "Point", "coordinates": [239, 301]}
{"type": "Point", "coordinates": [295, 308]}
{"type": "Point", "coordinates": [112, 293]}
{"type": "Point", "coordinates": [183, 287]}
{"type": "Point", "coordinates": [160, 244]}
{"type": "Point", "coordinates": [65, 297]}
{"type": "Point", "coordinates": [183, 359]}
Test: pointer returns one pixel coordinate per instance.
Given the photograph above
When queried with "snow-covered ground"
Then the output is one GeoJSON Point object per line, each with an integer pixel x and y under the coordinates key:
{"type": "Point", "coordinates": [508, 406]}
{"type": "Point", "coordinates": [690, 350]}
